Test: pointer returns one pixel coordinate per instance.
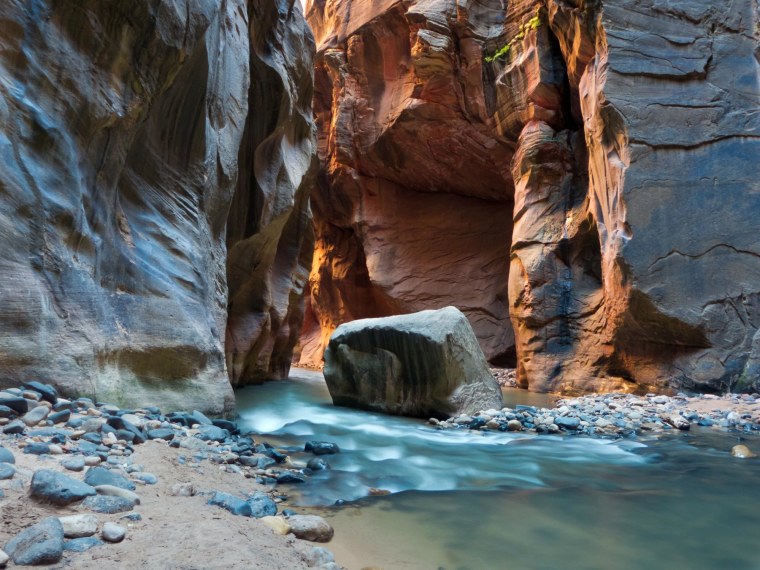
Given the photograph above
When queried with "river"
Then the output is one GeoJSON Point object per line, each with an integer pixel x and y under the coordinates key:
{"type": "Point", "coordinates": [469, 500]}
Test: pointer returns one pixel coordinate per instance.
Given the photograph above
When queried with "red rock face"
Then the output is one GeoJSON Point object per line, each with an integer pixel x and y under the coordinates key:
{"type": "Point", "coordinates": [618, 138]}
{"type": "Point", "coordinates": [413, 204]}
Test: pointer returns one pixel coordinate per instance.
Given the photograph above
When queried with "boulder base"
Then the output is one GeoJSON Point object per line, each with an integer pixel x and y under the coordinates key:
{"type": "Point", "coordinates": [421, 364]}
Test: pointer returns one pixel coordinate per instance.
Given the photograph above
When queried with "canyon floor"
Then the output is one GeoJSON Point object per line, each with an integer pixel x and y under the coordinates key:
{"type": "Point", "coordinates": [176, 532]}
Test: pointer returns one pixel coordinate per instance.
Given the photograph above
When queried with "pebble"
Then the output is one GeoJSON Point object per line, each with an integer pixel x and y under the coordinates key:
{"type": "Point", "coordinates": [113, 532]}
{"type": "Point", "coordinates": [7, 471]}
{"type": "Point", "coordinates": [278, 524]}
{"type": "Point", "coordinates": [82, 544]}
{"type": "Point", "coordinates": [6, 456]}
{"type": "Point", "coordinates": [3, 559]}
{"type": "Point", "coordinates": [73, 463]}
{"type": "Point", "coordinates": [310, 527]}
{"type": "Point", "coordinates": [108, 505]}
{"type": "Point", "coordinates": [92, 460]}
{"type": "Point", "coordinates": [113, 491]}
{"type": "Point", "coordinates": [101, 476]}
{"type": "Point", "coordinates": [78, 526]}
{"type": "Point", "coordinates": [147, 478]}
{"type": "Point", "coordinates": [182, 490]}
{"type": "Point", "coordinates": [35, 415]}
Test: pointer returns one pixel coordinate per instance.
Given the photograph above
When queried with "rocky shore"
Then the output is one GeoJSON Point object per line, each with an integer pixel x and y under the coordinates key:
{"type": "Point", "coordinates": [85, 483]}
{"type": "Point", "coordinates": [619, 415]}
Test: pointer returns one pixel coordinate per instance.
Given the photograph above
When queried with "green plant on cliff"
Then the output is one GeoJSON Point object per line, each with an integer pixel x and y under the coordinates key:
{"type": "Point", "coordinates": [533, 24]}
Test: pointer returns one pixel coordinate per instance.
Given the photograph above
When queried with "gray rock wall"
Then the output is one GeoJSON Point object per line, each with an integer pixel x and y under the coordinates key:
{"type": "Point", "coordinates": [121, 129]}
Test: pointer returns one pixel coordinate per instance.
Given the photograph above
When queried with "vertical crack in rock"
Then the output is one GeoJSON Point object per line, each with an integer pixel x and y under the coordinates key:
{"type": "Point", "coordinates": [269, 232]}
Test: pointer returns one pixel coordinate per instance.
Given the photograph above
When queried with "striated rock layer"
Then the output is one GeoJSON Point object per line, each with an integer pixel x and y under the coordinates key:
{"type": "Point", "coordinates": [122, 130]}
{"type": "Point", "coordinates": [621, 136]}
{"type": "Point", "coordinates": [413, 204]}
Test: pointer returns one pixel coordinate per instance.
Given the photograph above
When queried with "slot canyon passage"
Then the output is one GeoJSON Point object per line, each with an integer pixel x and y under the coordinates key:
{"type": "Point", "coordinates": [203, 201]}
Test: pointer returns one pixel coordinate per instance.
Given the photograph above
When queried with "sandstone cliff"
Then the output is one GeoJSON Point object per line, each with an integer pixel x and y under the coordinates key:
{"type": "Point", "coordinates": [602, 155]}
{"type": "Point", "coordinates": [123, 126]}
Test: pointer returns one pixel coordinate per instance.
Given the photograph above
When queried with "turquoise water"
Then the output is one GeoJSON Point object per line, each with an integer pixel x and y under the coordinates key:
{"type": "Point", "coordinates": [466, 500]}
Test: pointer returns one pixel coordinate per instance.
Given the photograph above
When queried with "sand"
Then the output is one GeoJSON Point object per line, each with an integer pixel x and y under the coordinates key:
{"type": "Point", "coordinates": [175, 533]}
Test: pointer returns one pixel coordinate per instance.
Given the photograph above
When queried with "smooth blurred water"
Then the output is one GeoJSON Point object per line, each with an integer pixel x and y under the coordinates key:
{"type": "Point", "coordinates": [468, 500]}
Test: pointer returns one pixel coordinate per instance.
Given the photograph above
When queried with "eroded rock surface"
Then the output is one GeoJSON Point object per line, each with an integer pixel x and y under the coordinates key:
{"type": "Point", "coordinates": [123, 129]}
{"type": "Point", "coordinates": [620, 136]}
{"type": "Point", "coordinates": [422, 364]}
{"type": "Point", "coordinates": [413, 203]}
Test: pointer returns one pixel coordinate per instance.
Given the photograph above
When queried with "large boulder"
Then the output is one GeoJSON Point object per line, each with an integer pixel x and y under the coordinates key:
{"type": "Point", "coordinates": [421, 364]}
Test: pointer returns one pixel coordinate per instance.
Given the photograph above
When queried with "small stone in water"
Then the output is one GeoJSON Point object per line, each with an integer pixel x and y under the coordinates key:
{"type": "Point", "coordinates": [742, 452]}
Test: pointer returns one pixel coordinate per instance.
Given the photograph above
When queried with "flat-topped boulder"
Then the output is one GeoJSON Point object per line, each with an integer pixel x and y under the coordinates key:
{"type": "Point", "coordinates": [421, 364]}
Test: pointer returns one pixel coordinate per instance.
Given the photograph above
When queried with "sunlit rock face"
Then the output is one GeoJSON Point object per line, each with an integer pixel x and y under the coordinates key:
{"type": "Point", "coordinates": [123, 126]}
{"type": "Point", "coordinates": [622, 139]}
{"type": "Point", "coordinates": [413, 203]}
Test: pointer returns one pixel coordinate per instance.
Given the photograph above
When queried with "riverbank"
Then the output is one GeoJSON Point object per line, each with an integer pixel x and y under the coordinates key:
{"type": "Point", "coordinates": [178, 491]}
{"type": "Point", "coordinates": [617, 414]}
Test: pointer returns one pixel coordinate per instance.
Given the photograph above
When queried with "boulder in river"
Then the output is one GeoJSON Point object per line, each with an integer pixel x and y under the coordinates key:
{"type": "Point", "coordinates": [421, 364]}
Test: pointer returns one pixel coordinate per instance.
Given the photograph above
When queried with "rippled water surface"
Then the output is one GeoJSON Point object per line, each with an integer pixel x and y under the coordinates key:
{"type": "Point", "coordinates": [466, 500]}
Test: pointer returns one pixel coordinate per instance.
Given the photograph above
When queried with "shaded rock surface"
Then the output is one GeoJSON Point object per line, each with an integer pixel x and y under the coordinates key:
{"type": "Point", "coordinates": [41, 543]}
{"type": "Point", "coordinates": [127, 135]}
{"type": "Point", "coordinates": [611, 147]}
{"type": "Point", "coordinates": [413, 204]}
{"type": "Point", "coordinates": [424, 364]}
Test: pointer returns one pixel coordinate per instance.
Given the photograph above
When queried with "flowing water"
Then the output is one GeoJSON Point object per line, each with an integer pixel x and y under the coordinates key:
{"type": "Point", "coordinates": [470, 500]}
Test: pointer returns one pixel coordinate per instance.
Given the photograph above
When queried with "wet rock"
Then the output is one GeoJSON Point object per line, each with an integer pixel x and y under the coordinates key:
{"type": "Point", "coordinates": [742, 452]}
{"type": "Point", "coordinates": [321, 447]}
{"type": "Point", "coordinates": [200, 418]}
{"type": "Point", "coordinates": [107, 504]}
{"type": "Point", "coordinates": [60, 417]}
{"type": "Point", "coordinates": [78, 526]}
{"type": "Point", "coordinates": [432, 357]}
{"type": "Point", "coordinates": [567, 422]}
{"type": "Point", "coordinates": [291, 477]}
{"type": "Point", "coordinates": [678, 422]}
{"type": "Point", "coordinates": [212, 433]}
{"type": "Point", "coordinates": [97, 476]}
{"type": "Point", "coordinates": [57, 488]}
{"type": "Point", "coordinates": [317, 464]}
{"type": "Point", "coordinates": [113, 532]}
{"type": "Point", "coordinates": [38, 544]}
{"type": "Point", "coordinates": [310, 527]}
{"type": "Point", "coordinates": [262, 505]}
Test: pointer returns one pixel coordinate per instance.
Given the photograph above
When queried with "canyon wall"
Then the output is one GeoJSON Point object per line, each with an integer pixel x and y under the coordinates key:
{"type": "Point", "coordinates": [124, 127]}
{"type": "Point", "coordinates": [413, 202]}
{"type": "Point", "coordinates": [600, 157]}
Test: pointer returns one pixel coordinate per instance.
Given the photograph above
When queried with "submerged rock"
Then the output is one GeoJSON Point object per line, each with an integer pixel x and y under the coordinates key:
{"type": "Point", "coordinates": [422, 364]}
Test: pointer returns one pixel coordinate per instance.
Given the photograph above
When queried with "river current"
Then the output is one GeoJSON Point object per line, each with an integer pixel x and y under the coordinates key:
{"type": "Point", "coordinates": [469, 500]}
